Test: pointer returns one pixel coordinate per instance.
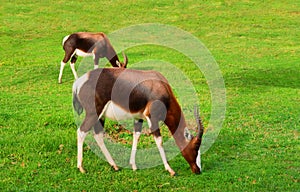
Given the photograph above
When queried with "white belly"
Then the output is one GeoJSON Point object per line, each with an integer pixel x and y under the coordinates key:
{"type": "Point", "coordinates": [115, 112]}
{"type": "Point", "coordinates": [82, 53]}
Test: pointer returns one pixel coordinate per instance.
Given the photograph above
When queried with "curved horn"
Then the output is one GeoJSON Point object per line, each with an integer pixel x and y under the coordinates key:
{"type": "Point", "coordinates": [125, 59]}
{"type": "Point", "coordinates": [199, 123]}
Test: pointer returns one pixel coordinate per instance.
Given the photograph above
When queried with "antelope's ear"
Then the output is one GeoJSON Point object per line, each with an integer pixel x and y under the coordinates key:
{"type": "Point", "coordinates": [188, 136]}
{"type": "Point", "coordinates": [118, 63]}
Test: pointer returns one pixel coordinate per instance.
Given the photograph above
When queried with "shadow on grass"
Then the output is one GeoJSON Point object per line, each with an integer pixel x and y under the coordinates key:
{"type": "Point", "coordinates": [275, 77]}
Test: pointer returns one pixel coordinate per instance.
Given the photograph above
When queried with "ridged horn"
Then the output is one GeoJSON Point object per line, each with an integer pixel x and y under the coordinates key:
{"type": "Point", "coordinates": [199, 123]}
{"type": "Point", "coordinates": [125, 59]}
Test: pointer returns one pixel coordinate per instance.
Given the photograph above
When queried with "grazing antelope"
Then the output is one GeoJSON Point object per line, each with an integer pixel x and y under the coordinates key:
{"type": "Point", "coordinates": [119, 94]}
{"type": "Point", "coordinates": [88, 44]}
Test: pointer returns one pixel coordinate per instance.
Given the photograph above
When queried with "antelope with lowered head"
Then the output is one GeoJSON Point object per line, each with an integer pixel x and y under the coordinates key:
{"type": "Point", "coordinates": [119, 94]}
{"type": "Point", "coordinates": [88, 44]}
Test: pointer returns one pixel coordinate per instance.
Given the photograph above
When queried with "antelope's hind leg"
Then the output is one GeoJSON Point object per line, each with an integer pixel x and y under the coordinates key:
{"type": "Point", "coordinates": [96, 60]}
{"type": "Point", "coordinates": [72, 65]}
{"type": "Point", "coordinates": [99, 137]}
{"type": "Point", "coordinates": [82, 132]}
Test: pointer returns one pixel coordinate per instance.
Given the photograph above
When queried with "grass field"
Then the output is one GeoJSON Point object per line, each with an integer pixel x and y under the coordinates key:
{"type": "Point", "coordinates": [255, 43]}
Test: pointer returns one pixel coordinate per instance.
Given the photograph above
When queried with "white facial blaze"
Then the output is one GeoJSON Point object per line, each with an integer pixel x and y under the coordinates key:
{"type": "Point", "coordinates": [198, 160]}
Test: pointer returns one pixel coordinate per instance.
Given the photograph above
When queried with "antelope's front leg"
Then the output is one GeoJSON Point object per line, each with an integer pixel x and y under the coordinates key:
{"type": "Point", "coordinates": [154, 127]}
{"type": "Point", "coordinates": [159, 144]}
{"type": "Point", "coordinates": [62, 66]}
{"type": "Point", "coordinates": [136, 135]}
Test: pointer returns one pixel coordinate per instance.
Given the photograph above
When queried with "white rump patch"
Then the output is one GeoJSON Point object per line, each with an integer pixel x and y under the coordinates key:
{"type": "Point", "coordinates": [64, 40]}
{"type": "Point", "coordinates": [79, 82]}
{"type": "Point", "coordinates": [115, 112]}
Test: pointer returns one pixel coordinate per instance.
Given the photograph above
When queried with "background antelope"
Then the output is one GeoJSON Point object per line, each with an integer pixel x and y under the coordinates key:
{"type": "Point", "coordinates": [119, 94]}
{"type": "Point", "coordinates": [88, 44]}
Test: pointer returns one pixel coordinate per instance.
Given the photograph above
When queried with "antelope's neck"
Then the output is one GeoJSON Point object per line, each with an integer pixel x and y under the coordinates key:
{"type": "Point", "coordinates": [112, 56]}
{"type": "Point", "coordinates": [180, 139]}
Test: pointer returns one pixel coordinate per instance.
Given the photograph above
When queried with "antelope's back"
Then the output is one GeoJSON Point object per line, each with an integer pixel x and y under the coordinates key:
{"type": "Point", "coordinates": [130, 88]}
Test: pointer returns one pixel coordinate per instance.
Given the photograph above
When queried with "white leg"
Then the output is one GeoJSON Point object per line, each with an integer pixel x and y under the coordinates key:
{"type": "Point", "coordinates": [99, 139]}
{"type": "Point", "coordinates": [80, 139]}
{"type": "Point", "coordinates": [158, 141]}
{"type": "Point", "coordinates": [72, 65]}
{"type": "Point", "coordinates": [136, 136]}
{"type": "Point", "coordinates": [62, 65]}
{"type": "Point", "coordinates": [96, 61]}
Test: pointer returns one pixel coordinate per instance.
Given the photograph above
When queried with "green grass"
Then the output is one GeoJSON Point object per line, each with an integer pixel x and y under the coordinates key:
{"type": "Point", "coordinates": [256, 44]}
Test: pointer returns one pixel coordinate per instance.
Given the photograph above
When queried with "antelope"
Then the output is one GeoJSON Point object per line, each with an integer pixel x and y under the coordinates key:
{"type": "Point", "coordinates": [118, 94]}
{"type": "Point", "coordinates": [88, 44]}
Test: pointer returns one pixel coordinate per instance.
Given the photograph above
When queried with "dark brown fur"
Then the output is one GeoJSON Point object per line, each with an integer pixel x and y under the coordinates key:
{"type": "Point", "coordinates": [135, 91]}
{"type": "Point", "coordinates": [91, 42]}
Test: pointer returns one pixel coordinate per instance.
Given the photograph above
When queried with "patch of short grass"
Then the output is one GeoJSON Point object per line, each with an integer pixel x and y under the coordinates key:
{"type": "Point", "coordinates": [255, 44]}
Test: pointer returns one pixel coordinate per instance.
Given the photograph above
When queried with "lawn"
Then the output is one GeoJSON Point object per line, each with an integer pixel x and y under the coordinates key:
{"type": "Point", "coordinates": [255, 44]}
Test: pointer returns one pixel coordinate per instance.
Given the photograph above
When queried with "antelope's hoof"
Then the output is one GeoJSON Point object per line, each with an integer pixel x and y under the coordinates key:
{"type": "Point", "coordinates": [81, 170]}
{"type": "Point", "coordinates": [173, 174]}
{"type": "Point", "coordinates": [116, 168]}
{"type": "Point", "coordinates": [133, 166]}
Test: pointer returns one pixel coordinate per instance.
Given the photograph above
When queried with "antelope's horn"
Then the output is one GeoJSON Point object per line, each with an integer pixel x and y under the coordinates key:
{"type": "Point", "coordinates": [199, 123]}
{"type": "Point", "coordinates": [125, 58]}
